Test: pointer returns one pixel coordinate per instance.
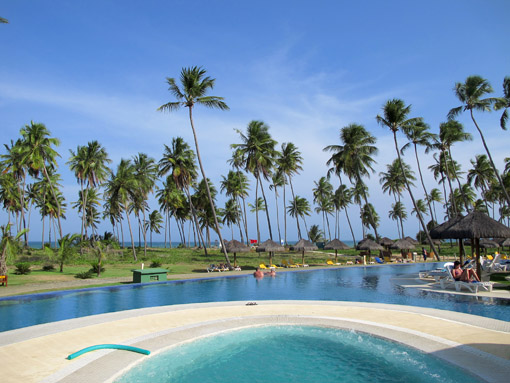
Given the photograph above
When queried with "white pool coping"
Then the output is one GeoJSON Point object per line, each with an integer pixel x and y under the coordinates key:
{"type": "Point", "coordinates": [38, 353]}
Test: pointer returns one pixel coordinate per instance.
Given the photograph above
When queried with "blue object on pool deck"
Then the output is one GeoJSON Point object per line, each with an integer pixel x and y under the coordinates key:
{"type": "Point", "coordinates": [103, 346]}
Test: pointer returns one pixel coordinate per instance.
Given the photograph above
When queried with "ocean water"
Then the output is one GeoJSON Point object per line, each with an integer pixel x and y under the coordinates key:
{"type": "Point", "coordinates": [304, 354]}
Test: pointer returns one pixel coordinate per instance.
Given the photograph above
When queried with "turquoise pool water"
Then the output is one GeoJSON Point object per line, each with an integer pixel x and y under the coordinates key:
{"type": "Point", "coordinates": [294, 354]}
{"type": "Point", "coordinates": [360, 284]}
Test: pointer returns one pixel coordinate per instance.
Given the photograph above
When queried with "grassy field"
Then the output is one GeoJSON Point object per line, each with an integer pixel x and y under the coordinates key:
{"type": "Point", "coordinates": [177, 261]}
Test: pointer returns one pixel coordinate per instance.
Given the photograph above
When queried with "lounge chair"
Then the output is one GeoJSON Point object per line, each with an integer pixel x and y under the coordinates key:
{"type": "Point", "coordinates": [212, 268]}
{"type": "Point", "coordinates": [287, 264]}
{"type": "Point", "coordinates": [379, 260]}
{"type": "Point", "coordinates": [331, 263]}
{"type": "Point", "coordinates": [263, 266]}
{"type": "Point", "coordinates": [449, 281]}
{"type": "Point", "coordinates": [3, 280]}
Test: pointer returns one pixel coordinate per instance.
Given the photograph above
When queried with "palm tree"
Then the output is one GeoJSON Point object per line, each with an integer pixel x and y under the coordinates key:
{"type": "Point", "coordinates": [258, 154]}
{"type": "Point", "coordinates": [87, 206]}
{"type": "Point", "coordinates": [146, 171]}
{"type": "Point", "coordinates": [66, 249]}
{"type": "Point", "coordinates": [235, 185]}
{"type": "Point", "coordinates": [395, 117]}
{"type": "Point", "coordinates": [315, 234]}
{"type": "Point", "coordinates": [449, 133]}
{"type": "Point", "coordinates": [480, 175]}
{"type": "Point", "coordinates": [89, 165]}
{"type": "Point", "coordinates": [355, 157]}
{"type": "Point", "coordinates": [289, 163]}
{"type": "Point", "coordinates": [323, 196]}
{"type": "Point", "coordinates": [8, 246]}
{"type": "Point", "coordinates": [435, 196]}
{"type": "Point", "coordinates": [342, 199]}
{"type": "Point", "coordinates": [170, 200]}
{"type": "Point", "coordinates": [369, 216]}
{"type": "Point", "coordinates": [179, 159]}
{"type": "Point", "coordinates": [155, 223]}
{"type": "Point", "coordinates": [255, 208]}
{"type": "Point", "coordinates": [504, 102]}
{"type": "Point", "coordinates": [418, 134]}
{"type": "Point", "coordinates": [39, 155]}
{"type": "Point", "coordinates": [470, 94]}
{"type": "Point", "coordinates": [299, 207]}
{"type": "Point", "coordinates": [121, 190]}
{"type": "Point", "coordinates": [398, 213]}
{"type": "Point", "coordinates": [195, 85]}
{"type": "Point", "coordinates": [232, 215]}
{"type": "Point", "coordinates": [278, 180]}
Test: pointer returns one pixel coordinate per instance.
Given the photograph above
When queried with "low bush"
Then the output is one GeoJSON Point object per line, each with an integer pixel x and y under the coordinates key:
{"type": "Point", "coordinates": [95, 268]}
{"type": "Point", "coordinates": [22, 268]}
{"type": "Point", "coordinates": [48, 268]}
{"type": "Point", "coordinates": [156, 263]}
{"type": "Point", "coordinates": [84, 275]}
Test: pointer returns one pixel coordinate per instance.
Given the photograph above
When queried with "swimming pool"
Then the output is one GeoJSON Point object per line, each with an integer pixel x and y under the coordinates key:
{"type": "Point", "coordinates": [294, 353]}
{"type": "Point", "coordinates": [357, 284]}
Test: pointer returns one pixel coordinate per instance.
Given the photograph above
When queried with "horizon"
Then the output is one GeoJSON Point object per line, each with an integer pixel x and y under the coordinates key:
{"type": "Point", "coordinates": [96, 71]}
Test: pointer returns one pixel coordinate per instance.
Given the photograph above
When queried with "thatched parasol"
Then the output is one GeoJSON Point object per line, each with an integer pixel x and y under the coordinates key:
{"type": "Point", "coordinates": [412, 241]}
{"type": "Point", "coordinates": [385, 241]}
{"type": "Point", "coordinates": [235, 247]}
{"type": "Point", "coordinates": [402, 244]}
{"type": "Point", "coordinates": [475, 225]}
{"type": "Point", "coordinates": [303, 245]}
{"type": "Point", "coordinates": [270, 247]}
{"type": "Point", "coordinates": [505, 242]}
{"type": "Point", "coordinates": [336, 245]}
{"type": "Point", "coordinates": [368, 244]}
{"type": "Point", "coordinates": [488, 243]}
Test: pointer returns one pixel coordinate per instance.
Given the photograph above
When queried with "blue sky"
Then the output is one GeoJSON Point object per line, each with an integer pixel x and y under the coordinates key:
{"type": "Point", "coordinates": [96, 70]}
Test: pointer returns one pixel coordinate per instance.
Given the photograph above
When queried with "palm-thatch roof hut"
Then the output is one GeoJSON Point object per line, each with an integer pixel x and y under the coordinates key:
{"type": "Point", "coordinates": [368, 244]}
{"type": "Point", "coordinates": [402, 244]}
{"type": "Point", "coordinates": [475, 225]}
{"type": "Point", "coordinates": [235, 247]}
{"type": "Point", "coordinates": [336, 245]}
{"type": "Point", "coordinates": [385, 241]}
{"type": "Point", "coordinates": [270, 247]}
{"type": "Point", "coordinates": [412, 241]}
{"type": "Point", "coordinates": [303, 245]}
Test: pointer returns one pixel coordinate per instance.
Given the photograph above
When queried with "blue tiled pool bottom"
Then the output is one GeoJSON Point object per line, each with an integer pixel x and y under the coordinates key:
{"type": "Point", "coordinates": [302, 354]}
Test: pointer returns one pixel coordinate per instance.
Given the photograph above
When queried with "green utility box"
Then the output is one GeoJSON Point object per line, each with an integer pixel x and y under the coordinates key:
{"type": "Point", "coordinates": [149, 275]}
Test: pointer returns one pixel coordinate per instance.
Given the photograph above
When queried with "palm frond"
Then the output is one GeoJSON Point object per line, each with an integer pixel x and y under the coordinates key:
{"type": "Point", "coordinates": [454, 112]}
{"type": "Point", "coordinates": [213, 102]}
{"type": "Point", "coordinates": [171, 106]}
{"type": "Point", "coordinates": [504, 119]}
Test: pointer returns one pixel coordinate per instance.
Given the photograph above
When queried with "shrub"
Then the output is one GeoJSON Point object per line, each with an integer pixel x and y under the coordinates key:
{"type": "Point", "coordinates": [156, 263]}
{"type": "Point", "coordinates": [22, 268]}
{"type": "Point", "coordinates": [48, 267]}
{"type": "Point", "coordinates": [95, 268]}
{"type": "Point", "coordinates": [84, 275]}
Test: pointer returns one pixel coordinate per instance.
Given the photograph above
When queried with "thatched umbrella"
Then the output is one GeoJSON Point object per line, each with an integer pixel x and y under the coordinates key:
{"type": "Point", "coordinates": [412, 241]}
{"type": "Point", "coordinates": [368, 244]}
{"type": "Point", "coordinates": [505, 242]}
{"type": "Point", "coordinates": [475, 225]}
{"type": "Point", "coordinates": [489, 244]}
{"type": "Point", "coordinates": [336, 245]}
{"type": "Point", "coordinates": [385, 241]}
{"type": "Point", "coordinates": [303, 245]}
{"type": "Point", "coordinates": [235, 247]}
{"type": "Point", "coordinates": [270, 247]}
{"type": "Point", "coordinates": [402, 244]}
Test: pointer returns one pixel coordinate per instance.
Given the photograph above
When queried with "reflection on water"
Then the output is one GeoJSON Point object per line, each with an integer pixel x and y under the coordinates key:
{"type": "Point", "coordinates": [362, 284]}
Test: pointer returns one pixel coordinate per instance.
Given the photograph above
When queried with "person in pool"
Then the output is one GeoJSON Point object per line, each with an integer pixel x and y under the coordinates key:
{"type": "Point", "coordinates": [464, 275]}
{"type": "Point", "coordinates": [258, 273]}
{"type": "Point", "coordinates": [271, 273]}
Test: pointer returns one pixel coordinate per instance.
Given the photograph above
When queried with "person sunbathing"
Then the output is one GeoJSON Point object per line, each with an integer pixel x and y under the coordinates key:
{"type": "Point", "coordinates": [464, 275]}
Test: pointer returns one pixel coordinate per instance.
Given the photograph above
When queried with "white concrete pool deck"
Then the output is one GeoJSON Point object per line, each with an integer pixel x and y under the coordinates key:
{"type": "Point", "coordinates": [38, 353]}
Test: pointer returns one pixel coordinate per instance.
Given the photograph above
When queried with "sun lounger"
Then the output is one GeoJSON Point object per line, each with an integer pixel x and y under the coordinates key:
{"type": "Point", "coordinates": [212, 268]}
{"type": "Point", "coordinates": [263, 266]}
{"type": "Point", "coordinates": [331, 263]}
{"type": "Point", "coordinates": [287, 264]}
{"type": "Point", "coordinates": [449, 281]}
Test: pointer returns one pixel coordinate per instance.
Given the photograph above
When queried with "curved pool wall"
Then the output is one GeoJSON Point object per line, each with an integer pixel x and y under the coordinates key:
{"type": "Point", "coordinates": [288, 352]}
{"type": "Point", "coordinates": [359, 284]}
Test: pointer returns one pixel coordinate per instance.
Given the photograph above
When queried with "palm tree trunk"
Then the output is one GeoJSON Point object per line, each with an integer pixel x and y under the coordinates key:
{"type": "Point", "coordinates": [452, 197]}
{"type": "Point", "coordinates": [284, 215]}
{"type": "Point", "coordinates": [277, 215]}
{"type": "Point", "coordinates": [130, 231]}
{"type": "Point", "coordinates": [507, 197]}
{"type": "Point", "coordinates": [424, 227]}
{"type": "Point", "coordinates": [56, 200]}
{"type": "Point", "coordinates": [422, 182]}
{"type": "Point", "coordinates": [267, 210]}
{"type": "Point", "coordinates": [245, 221]}
{"type": "Point", "coordinates": [256, 209]}
{"type": "Point", "coordinates": [464, 198]}
{"type": "Point", "coordinates": [208, 191]}
{"type": "Point", "coordinates": [195, 221]}
{"type": "Point", "coordinates": [371, 216]}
